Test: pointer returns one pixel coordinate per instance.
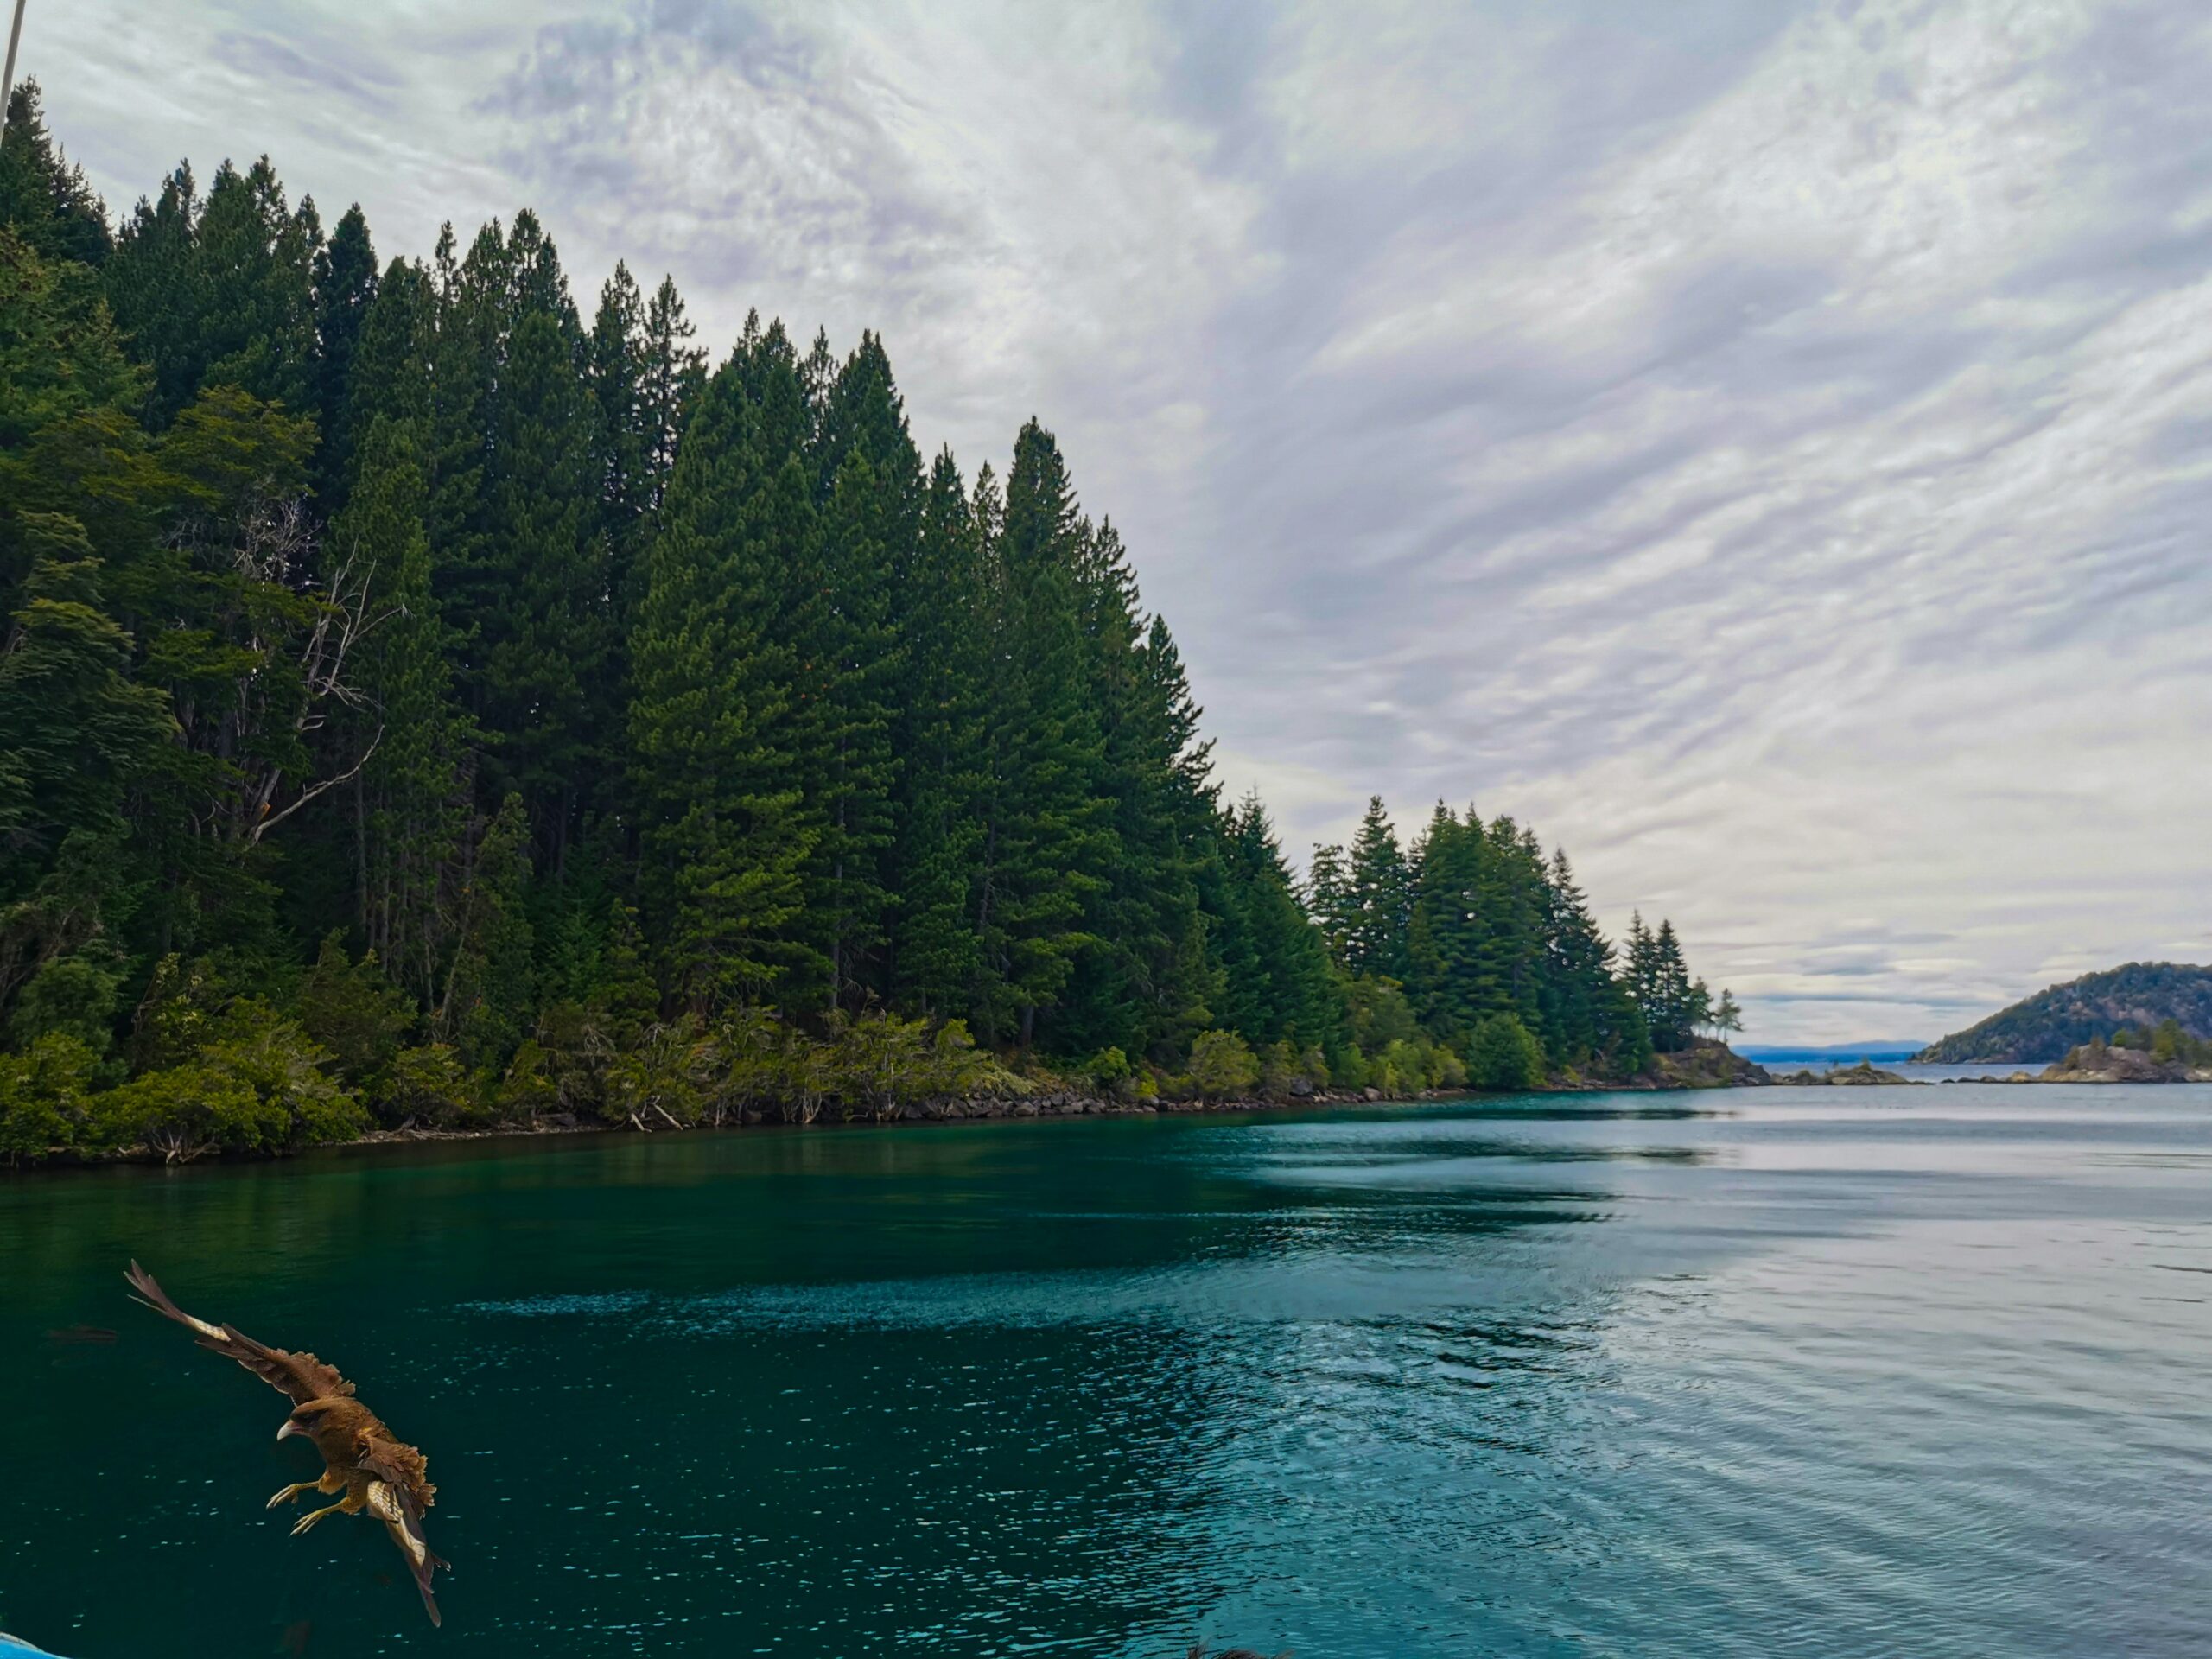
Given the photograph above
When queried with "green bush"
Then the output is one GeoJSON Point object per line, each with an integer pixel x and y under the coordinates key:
{"type": "Point", "coordinates": [747, 1045]}
{"type": "Point", "coordinates": [1107, 1072]}
{"type": "Point", "coordinates": [189, 1110]}
{"type": "Point", "coordinates": [1503, 1055]}
{"type": "Point", "coordinates": [354, 1013]}
{"type": "Point", "coordinates": [1446, 1070]}
{"type": "Point", "coordinates": [428, 1085]}
{"type": "Point", "coordinates": [530, 1087]}
{"type": "Point", "coordinates": [1223, 1066]}
{"type": "Point", "coordinates": [1353, 1070]}
{"type": "Point", "coordinates": [46, 1097]}
{"type": "Point", "coordinates": [959, 1067]}
{"type": "Point", "coordinates": [1315, 1065]}
{"type": "Point", "coordinates": [177, 1014]}
{"type": "Point", "coordinates": [259, 1086]}
{"type": "Point", "coordinates": [73, 996]}
{"type": "Point", "coordinates": [1403, 1067]}
{"type": "Point", "coordinates": [663, 1080]}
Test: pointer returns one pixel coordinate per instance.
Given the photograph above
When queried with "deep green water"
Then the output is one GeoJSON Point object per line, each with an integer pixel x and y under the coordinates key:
{"type": "Point", "coordinates": [1819, 1372]}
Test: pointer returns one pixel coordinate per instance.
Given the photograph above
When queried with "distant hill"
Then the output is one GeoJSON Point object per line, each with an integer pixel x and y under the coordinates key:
{"type": "Point", "coordinates": [2043, 1027]}
{"type": "Point", "coordinates": [1902, 1049]}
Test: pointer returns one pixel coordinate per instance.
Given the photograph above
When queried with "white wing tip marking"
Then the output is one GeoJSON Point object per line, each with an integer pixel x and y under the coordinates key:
{"type": "Point", "coordinates": [384, 1505]}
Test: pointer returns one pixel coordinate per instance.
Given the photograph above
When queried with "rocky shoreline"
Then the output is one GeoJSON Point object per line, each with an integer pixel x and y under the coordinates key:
{"type": "Point", "coordinates": [1706, 1066]}
{"type": "Point", "coordinates": [2098, 1062]}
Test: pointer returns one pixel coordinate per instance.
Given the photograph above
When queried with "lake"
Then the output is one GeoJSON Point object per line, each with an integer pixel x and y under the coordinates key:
{"type": "Point", "coordinates": [1816, 1372]}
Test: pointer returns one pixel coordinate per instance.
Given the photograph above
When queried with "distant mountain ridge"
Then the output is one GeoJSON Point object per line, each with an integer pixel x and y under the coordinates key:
{"type": "Point", "coordinates": [2044, 1026]}
{"type": "Point", "coordinates": [1901, 1048]}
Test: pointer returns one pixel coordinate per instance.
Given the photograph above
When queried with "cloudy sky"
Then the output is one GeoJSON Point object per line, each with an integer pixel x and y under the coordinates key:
{"type": "Point", "coordinates": [1767, 445]}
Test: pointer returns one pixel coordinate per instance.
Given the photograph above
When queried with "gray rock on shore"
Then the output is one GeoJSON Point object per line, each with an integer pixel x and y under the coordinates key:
{"type": "Point", "coordinates": [2100, 1063]}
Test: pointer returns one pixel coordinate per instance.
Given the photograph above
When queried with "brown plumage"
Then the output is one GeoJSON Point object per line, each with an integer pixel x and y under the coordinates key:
{"type": "Point", "coordinates": [362, 1457]}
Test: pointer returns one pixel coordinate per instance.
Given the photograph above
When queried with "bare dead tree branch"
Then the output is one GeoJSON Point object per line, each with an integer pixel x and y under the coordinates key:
{"type": "Point", "coordinates": [328, 784]}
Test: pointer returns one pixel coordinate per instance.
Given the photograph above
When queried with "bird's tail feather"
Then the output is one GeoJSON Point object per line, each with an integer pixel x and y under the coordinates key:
{"type": "Point", "coordinates": [423, 1567]}
{"type": "Point", "coordinates": [150, 1295]}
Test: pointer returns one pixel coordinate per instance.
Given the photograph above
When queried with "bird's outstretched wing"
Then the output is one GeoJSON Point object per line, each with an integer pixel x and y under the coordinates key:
{"type": "Point", "coordinates": [303, 1376]}
{"type": "Point", "coordinates": [398, 1493]}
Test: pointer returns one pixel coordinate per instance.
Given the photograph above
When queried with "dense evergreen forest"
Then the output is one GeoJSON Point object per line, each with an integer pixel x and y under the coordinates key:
{"type": "Point", "coordinates": [422, 702]}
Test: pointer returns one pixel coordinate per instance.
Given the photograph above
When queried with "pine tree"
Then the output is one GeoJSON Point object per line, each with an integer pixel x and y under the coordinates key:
{"type": "Point", "coordinates": [843, 729]}
{"type": "Point", "coordinates": [615, 367]}
{"type": "Point", "coordinates": [1585, 1010]}
{"type": "Point", "coordinates": [345, 288]}
{"type": "Point", "coordinates": [675, 375]}
{"type": "Point", "coordinates": [415, 786]}
{"type": "Point", "coordinates": [525, 561]}
{"type": "Point", "coordinates": [253, 280]}
{"type": "Point", "coordinates": [845, 636]}
{"type": "Point", "coordinates": [721, 837]}
{"type": "Point", "coordinates": [1329, 899]}
{"type": "Point", "coordinates": [1054, 843]}
{"type": "Point", "coordinates": [43, 199]}
{"type": "Point", "coordinates": [623, 996]}
{"type": "Point", "coordinates": [1381, 895]}
{"type": "Point", "coordinates": [76, 732]}
{"type": "Point", "coordinates": [488, 997]}
{"type": "Point", "coordinates": [846, 733]}
{"type": "Point", "coordinates": [1288, 989]}
{"type": "Point", "coordinates": [154, 283]}
{"type": "Point", "coordinates": [1143, 988]}
{"type": "Point", "coordinates": [393, 375]}
{"type": "Point", "coordinates": [938, 857]}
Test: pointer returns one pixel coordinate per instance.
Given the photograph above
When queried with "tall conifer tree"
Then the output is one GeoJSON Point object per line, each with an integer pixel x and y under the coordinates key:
{"type": "Point", "coordinates": [345, 288]}
{"type": "Point", "coordinates": [722, 839]}
{"type": "Point", "coordinates": [1055, 842]}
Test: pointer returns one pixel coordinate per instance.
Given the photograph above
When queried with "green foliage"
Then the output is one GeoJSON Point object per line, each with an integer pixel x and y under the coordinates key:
{"type": "Point", "coordinates": [354, 1013]}
{"type": "Point", "coordinates": [43, 199]}
{"type": "Point", "coordinates": [1222, 1066]}
{"type": "Point", "coordinates": [46, 1098]}
{"type": "Point", "coordinates": [260, 1086]}
{"type": "Point", "coordinates": [662, 1076]}
{"type": "Point", "coordinates": [428, 1084]}
{"type": "Point", "coordinates": [72, 996]}
{"type": "Point", "coordinates": [410, 694]}
{"type": "Point", "coordinates": [1673, 1005]}
{"type": "Point", "coordinates": [2167, 1043]}
{"type": "Point", "coordinates": [1504, 1055]}
{"type": "Point", "coordinates": [488, 997]}
{"type": "Point", "coordinates": [2043, 1027]}
{"type": "Point", "coordinates": [1107, 1071]}
{"type": "Point", "coordinates": [724, 841]}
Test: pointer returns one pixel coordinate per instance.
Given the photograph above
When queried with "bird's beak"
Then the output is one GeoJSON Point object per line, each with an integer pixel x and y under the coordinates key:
{"type": "Point", "coordinates": [290, 1429]}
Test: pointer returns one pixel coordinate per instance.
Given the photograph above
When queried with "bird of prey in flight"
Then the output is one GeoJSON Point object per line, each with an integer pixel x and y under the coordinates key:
{"type": "Point", "coordinates": [377, 1472]}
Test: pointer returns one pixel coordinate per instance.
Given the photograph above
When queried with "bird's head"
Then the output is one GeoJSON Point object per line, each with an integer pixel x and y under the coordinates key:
{"type": "Point", "coordinates": [304, 1419]}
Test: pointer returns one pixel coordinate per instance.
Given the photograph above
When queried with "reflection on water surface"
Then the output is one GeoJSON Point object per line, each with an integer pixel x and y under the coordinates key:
{"type": "Point", "coordinates": [1803, 1371]}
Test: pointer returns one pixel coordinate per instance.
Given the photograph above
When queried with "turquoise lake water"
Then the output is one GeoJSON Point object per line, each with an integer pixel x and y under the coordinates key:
{"type": "Point", "coordinates": [1815, 1372]}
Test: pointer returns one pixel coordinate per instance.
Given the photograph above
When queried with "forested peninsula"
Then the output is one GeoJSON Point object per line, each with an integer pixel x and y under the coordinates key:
{"type": "Point", "coordinates": [2141, 1004]}
{"type": "Point", "coordinates": [424, 705]}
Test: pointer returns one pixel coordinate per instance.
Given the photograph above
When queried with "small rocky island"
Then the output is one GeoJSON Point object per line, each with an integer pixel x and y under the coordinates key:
{"type": "Point", "coordinates": [1862, 1075]}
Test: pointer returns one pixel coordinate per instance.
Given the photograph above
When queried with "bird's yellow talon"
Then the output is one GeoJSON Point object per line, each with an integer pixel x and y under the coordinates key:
{"type": "Point", "coordinates": [308, 1520]}
{"type": "Point", "coordinates": [290, 1494]}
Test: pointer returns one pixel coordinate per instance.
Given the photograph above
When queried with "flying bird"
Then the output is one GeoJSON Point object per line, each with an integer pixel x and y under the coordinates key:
{"type": "Point", "coordinates": [361, 1458]}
